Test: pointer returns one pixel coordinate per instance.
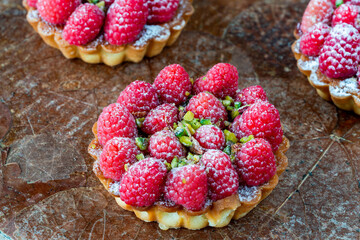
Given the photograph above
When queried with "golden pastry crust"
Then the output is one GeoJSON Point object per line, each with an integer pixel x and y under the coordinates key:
{"type": "Point", "coordinates": [219, 214]}
{"type": "Point", "coordinates": [335, 90]}
{"type": "Point", "coordinates": [98, 51]}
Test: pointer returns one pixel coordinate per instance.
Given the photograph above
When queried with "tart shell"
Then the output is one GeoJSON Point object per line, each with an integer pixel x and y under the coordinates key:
{"type": "Point", "coordinates": [99, 51]}
{"type": "Point", "coordinates": [348, 102]}
{"type": "Point", "coordinates": [219, 214]}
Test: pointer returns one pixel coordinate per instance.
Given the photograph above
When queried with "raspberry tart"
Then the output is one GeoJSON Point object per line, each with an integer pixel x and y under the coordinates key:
{"type": "Point", "coordinates": [109, 31]}
{"type": "Point", "coordinates": [183, 156]}
{"type": "Point", "coordinates": [327, 50]}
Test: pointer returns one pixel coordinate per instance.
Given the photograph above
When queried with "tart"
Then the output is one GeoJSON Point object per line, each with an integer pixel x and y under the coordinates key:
{"type": "Point", "coordinates": [151, 40]}
{"type": "Point", "coordinates": [188, 153]}
{"type": "Point", "coordinates": [327, 51]}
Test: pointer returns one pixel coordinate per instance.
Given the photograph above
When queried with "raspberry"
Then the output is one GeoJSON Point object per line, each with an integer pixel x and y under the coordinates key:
{"type": "Point", "coordinates": [221, 80]}
{"type": "Point", "coordinates": [115, 121]}
{"type": "Point", "coordinates": [57, 11]}
{"type": "Point", "coordinates": [207, 106]}
{"type": "Point", "coordinates": [163, 116]}
{"type": "Point", "coordinates": [339, 58]}
{"type": "Point", "coordinates": [187, 186]}
{"type": "Point", "coordinates": [210, 137]}
{"type": "Point", "coordinates": [262, 120]}
{"type": "Point", "coordinates": [108, 2]}
{"type": "Point", "coordinates": [32, 3]}
{"type": "Point", "coordinates": [141, 185]}
{"type": "Point", "coordinates": [165, 145]}
{"type": "Point", "coordinates": [173, 84]}
{"type": "Point", "coordinates": [222, 177]}
{"type": "Point", "coordinates": [84, 24]}
{"type": "Point", "coordinates": [312, 41]}
{"type": "Point", "coordinates": [317, 11]}
{"type": "Point", "coordinates": [139, 98]}
{"type": "Point", "coordinates": [116, 153]}
{"type": "Point", "coordinates": [124, 21]}
{"type": "Point", "coordinates": [346, 13]}
{"type": "Point", "coordinates": [256, 162]}
{"type": "Point", "coordinates": [251, 94]}
{"type": "Point", "coordinates": [161, 11]}
{"type": "Point", "coordinates": [197, 87]}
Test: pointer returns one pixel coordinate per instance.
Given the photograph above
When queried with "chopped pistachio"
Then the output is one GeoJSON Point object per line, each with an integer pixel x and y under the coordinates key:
{"type": "Point", "coordinates": [232, 157]}
{"type": "Point", "coordinates": [180, 131]}
{"type": "Point", "coordinates": [186, 141]}
{"type": "Point", "coordinates": [192, 80]}
{"type": "Point", "coordinates": [187, 93]}
{"type": "Point", "coordinates": [197, 158]}
{"type": "Point", "coordinates": [237, 105]}
{"type": "Point", "coordinates": [101, 5]}
{"type": "Point", "coordinates": [168, 165]}
{"type": "Point", "coordinates": [338, 3]}
{"type": "Point", "coordinates": [205, 122]}
{"type": "Point", "coordinates": [191, 130]}
{"type": "Point", "coordinates": [226, 103]}
{"type": "Point", "coordinates": [227, 123]}
{"type": "Point", "coordinates": [229, 99]}
{"type": "Point", "coordinates": [190, 156]}
{"type": "Point", "coordinates": [175, 126]}
{"type": "Point", "coordinates": [139, 122]}
{"type": "Point", "coordinates": [195, 123]}
{"type": "Point", "coordinates": [174, 162]}
{"type": "Point", "coordinates": [230, 108]}
{"type": "Point", "coordinates": [183, 180]}
{"type": "Point", "coordinates": [181, 108]}
{"type": "Point", "coordinates": [182, 163]}
{"type": "Point", "coordinates": [230, 136]}
{"type": "Point", "coordinates": [141, 143]}
{"type": "Point", "coordinates": [247, 139]}
{"type": "Point", "coordinates": [234, 113]}
{"type": "Point", "coordinates": [126, 167]}
{"type": "Point", "coordinates": [189, 116]}
{"type": "Point", "coordinates": [140, 156]}
{"type": "Point", "coordinates": [227, 150]}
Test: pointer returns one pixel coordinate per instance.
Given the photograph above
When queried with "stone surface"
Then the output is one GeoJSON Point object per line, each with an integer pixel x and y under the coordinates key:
{"type": "Point", "coordinates": [49, 103]}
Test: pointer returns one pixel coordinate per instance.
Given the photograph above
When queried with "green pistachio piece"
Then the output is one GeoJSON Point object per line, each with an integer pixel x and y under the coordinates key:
{"type": "Point", "coordinates": [189, 116]}
{"type": "Point", "coordinates": [140, 156]}
{"type": "Point", "coordinates": [205, 122]}
{"type": "Point", "coordinates": [237, 105]}
{"type": "Point", "coordinates": [230, 136]}
{"type": "Point", "coordinates": [142, 143]}
{"type": "Point", "coordinates": [247, 139]}
{"type": "Point", "coordinates": [180, 131]}
{"type": "Point", "coordinates": [186, 141]}
{"type": "Point", "coordinates": [227, 150]}
{"type": "Point", "coordinates": [234, 113]}
{"type": "Point", "coordinates": [139, 122]}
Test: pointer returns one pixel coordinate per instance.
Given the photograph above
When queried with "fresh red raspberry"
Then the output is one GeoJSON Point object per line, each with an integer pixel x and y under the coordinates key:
{"type": "Point", "coordinates": [251, 94]}
{"type": "Point", "coordinates": [32, 3]}
{"type": "Point", "coordinates": [262, 120]}
{"type": "Point", "coordinates": [115, 121]}
{"type": "Point", "coordinates": [222, 178]}
{"type": "Point", "coordinates": [141, 185]}
{"type": "Point", "coordinates": [173, 84]}
{"type": "Point", "coordinates": [161, 11]}
{"type": "Point", "coordinates": [317, 11]}
{"type": "Point", "coordinates": [124, 21]}
{"type": "Point", "coordinates": [312, 41]}
{"type": "Point", "coordinates": [339, 57]}
{"type": "Point", "coordinates": [165, 145]}
{"type": "Point", "coordinates": [221, 80]}
{"type": "Point", "coordinates": [346, 13]}
{"type": "Point", "coordinates": [163, 116]}
{"type": "Point", "coordinates": [197, 87]}
{"type": "Point", "coordinates": [139, 98]}
{"type": "Point", "coordinates": [84, 24]}
{"type": "Point", "coordinates": [207, 106]}
{"type": "Point", "coordinates": [57, 11]}
{"type": "Point", "coordinates": [187, 186]}
{"type": "Point", "coordinates": [108, 2]}
{"type": "Point", "coordinates": [210, 137]}
{"type": "Point", "coordinates": [116, 153]}
{"type": "Point", "coordinates": [256, 162]}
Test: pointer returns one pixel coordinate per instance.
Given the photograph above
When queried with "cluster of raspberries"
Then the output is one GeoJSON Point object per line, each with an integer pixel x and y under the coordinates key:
{"type": "Point", "coordinates": [330, 31]}
{"type": "Point", "coordinates": [186, 143]}
{"type": "Point", "coordinates": [121, 21]}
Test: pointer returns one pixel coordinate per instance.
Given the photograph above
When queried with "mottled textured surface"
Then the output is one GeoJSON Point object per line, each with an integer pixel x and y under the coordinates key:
{"type": "Point", "coordinates": [53, 102]}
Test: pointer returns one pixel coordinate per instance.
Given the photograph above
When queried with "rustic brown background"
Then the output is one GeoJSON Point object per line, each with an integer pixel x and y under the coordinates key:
{"type": "Point", "coordinates": [47, 188]}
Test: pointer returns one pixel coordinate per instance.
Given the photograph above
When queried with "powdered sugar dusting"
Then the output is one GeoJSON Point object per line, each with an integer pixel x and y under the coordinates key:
{"type": "Point", "coordinates": [246, 194]}
{"type": "Point", "coordinates": [114, 188]}
{"type": "Point", "coordinates": [345, 88]}
{"type": "Point", "coordinates": [150, 32]}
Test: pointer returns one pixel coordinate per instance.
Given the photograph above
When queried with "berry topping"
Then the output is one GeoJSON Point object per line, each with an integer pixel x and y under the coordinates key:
{"type": "Point", "coordinates": [57, 11]}
{"type": "Point", "coordinates": [124, 21]}
{"type": "Point", "coordinates": [222, 177]}
{"type": "Point", "coordinates": [165, 145]}
{"type": "Point", "coordinates": [207, 106]}
{"type": "Point", "coordinates": [256, 162]}
{"type": "Point", "coordinates": [32, 3]}
{"type": "Point", "coordinates": [210, 137]}
{"type": "Point", "coordinates": [116, 154]}
{"type": "Point", "coordinates": [141, 185]}
{"type": "Point", "coordinates": [108, 2]}
{"type": "Point", "coordinates": [339, 57]}
{"type": "Point", "coordinates": [173, 84]}
{"type": "Point", "coordinates": [84, 24]}
{"type": "Point", "coordinates": [312, 41]}
{"type": "Point", "coordinates": [187, 186]}
{"type": "Point", "coordinates": [262, 120]}
{"type": "Point", "coordinates": [317, 11]}
{"type": "Point", "coordinates": [139, 98]}
{"type": "Point", "coordinates": [163, 116]}
{"type": "Point", "coordinates": [221, 80]}
{"type": "Point", "coordinates": [346, 13]}
{"type": "Point", "coordinates": [251, 94]}
{"type": "Point", "coordinates": [115, 121]}
{"type": "Point", "coordinates": [161, 11]}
